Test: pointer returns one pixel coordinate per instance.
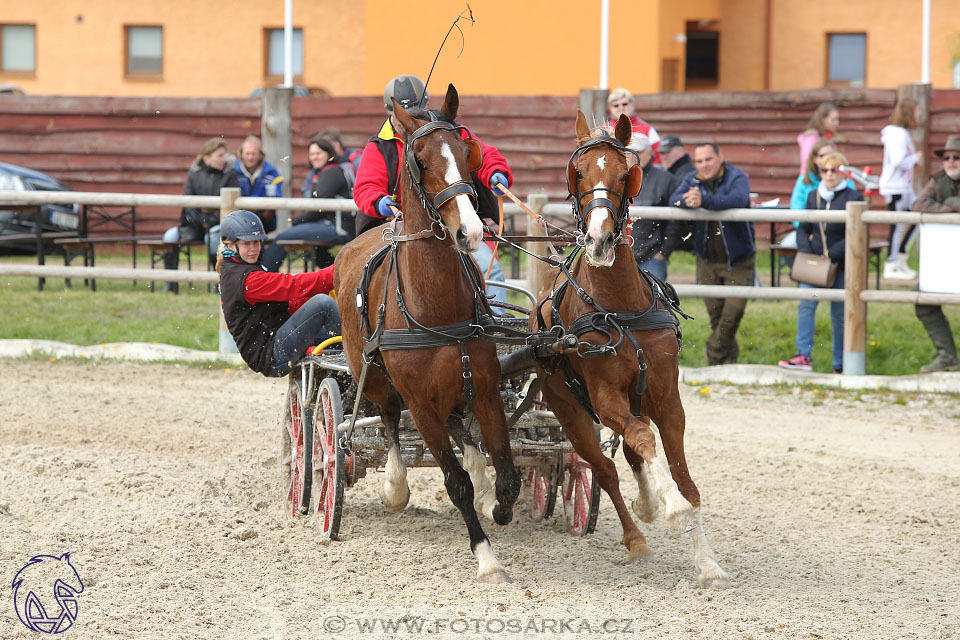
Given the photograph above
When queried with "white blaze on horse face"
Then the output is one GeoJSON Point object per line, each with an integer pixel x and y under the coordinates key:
{"type": "Point", "coordinates": [469, 220]}
{"type": "Point", "coordinates": [598, 215]}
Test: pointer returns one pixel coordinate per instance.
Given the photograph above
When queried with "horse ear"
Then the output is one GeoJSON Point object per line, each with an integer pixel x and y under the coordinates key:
{"type": "Point", "coordinates": [407, 123]}
{"type": "Point", "coordinates": [634, 181]}
{"type": "Point", "coordinates": [451, 102]}
{"type": "Point", "coordinates": [583, 131]}
{"type": "Point", "coordinates": [624, 130]}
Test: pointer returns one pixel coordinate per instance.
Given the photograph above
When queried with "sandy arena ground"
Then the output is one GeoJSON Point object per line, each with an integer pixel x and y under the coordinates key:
{"type": "Point", "coordinates": [833, 514]}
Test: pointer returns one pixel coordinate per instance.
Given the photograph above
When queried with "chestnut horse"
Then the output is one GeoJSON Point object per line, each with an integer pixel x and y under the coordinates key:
{"type": "Point", "coordinates": [412, 334]}
{"type": "Point", "coordinates": [630, 347]}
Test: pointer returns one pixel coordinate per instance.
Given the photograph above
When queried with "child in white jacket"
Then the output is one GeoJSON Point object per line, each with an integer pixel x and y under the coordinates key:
{"type": "Point", "coordinates": [900, 157]}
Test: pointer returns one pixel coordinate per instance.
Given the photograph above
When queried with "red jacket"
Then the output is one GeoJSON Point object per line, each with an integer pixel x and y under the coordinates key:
{"type": "Point", "coordinates": [644, 127]}
{"type": "Point", "coordinates": [373, 177]}
{"type": "Point", "coordinates": [295, 290]}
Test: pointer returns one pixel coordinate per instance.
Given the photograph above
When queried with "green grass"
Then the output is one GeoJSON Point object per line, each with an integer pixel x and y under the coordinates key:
{"type": "Point", "coordinates": [121, 312]}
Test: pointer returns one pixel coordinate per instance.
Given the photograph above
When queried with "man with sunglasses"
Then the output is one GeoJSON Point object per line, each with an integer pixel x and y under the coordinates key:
{"type": "Point", "coordinates": [621, 101]}
{"type": "Point", "coordinates": [941, 195]}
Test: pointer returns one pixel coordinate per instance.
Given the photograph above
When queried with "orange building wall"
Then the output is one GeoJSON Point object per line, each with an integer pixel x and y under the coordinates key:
{"type": "Point", "coordinates": [211, 49]}
{"type": "Point", "coordinates": [742, 45]}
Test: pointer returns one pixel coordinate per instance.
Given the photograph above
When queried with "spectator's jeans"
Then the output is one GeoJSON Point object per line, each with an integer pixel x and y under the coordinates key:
{"type": "Point", "coordinates": [806, 323]}
{"type": "Point", "coordinates": [725, 313]}
{"type": "Point", "coordinates": [212, 241]}
{"type": "Point", "coordinates": [314, 322]}
{"type": "Point", "coordinates": [319, 231]}
{"type": "Point", "coordinates": [656, 267]}
{"type": "Point", "coordinates": [483, 256]}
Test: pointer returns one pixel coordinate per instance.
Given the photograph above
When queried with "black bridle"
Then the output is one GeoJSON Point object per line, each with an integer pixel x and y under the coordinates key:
{"type": "Point", "coordinates": [574, 176]}
{"type": "Point", "coordinates": [461, 187]}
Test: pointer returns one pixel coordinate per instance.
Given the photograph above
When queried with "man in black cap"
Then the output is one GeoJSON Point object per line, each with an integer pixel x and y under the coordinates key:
{"type": "Point", "coordinates": [675, 158]}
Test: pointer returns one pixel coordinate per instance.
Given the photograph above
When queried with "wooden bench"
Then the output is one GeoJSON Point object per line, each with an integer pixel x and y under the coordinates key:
{"type": "Point", "coordinates": [157, 247]}
{"type": "Point", "coordinates": [784, 255]}
{"type": "Point", "coordinates": [40, 240]}
{"type": "Point", "coordinates": [303, 249]}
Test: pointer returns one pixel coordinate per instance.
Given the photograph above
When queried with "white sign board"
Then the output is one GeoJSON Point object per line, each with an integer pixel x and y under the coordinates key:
{"type": "Point", "coordinates": [940, 258]}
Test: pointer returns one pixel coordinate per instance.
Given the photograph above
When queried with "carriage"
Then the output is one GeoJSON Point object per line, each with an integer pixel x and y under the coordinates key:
{"type": "Point", "coordinates": [321, 456]}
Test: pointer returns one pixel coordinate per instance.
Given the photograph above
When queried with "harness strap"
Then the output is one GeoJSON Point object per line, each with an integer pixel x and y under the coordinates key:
{"type": "Point", "coordinates": [461, 187]}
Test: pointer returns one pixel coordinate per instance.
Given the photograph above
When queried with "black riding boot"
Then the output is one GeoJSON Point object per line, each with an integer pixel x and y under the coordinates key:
{"type": "Point", "coordinates": [171, 260]}
{"type": "Point", "coordinates": [938, 328]}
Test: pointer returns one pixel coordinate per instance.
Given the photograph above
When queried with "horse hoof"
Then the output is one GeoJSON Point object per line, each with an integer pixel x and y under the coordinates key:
{"type": "Point", "coordinates": [395, 497]}
{"type": "Point", "coordinates": [646, 512]}
{"type": "Point", "coordinates": [502, 516]}
{"type": "Point", "coordinates": [714, 578]}
{"type": "Point", "coordinates": [640, 550]}
{"type": "Point", "coordinates": [495, 577]}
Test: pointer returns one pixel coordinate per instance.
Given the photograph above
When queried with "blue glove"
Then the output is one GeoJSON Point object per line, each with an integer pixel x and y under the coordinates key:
{"type": "Point", "coordinates": [384, 204]}
{"type": "Point", "coordinates": [496, 180]}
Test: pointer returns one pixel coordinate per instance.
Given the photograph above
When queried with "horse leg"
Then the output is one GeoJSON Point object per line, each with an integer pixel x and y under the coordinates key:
{"type": "Point", "coordinates": [578, 427]}
{"type": "Point", "coordinates": [646, 504]}
{"type": "Point", "coordinates": [475, 463]}
{"type": "Point", "coordinates": [460, 489]}
{"type": "Point", "coordinates": [488, 408]}
{"type": "Point", "coordinates": [671, 421]}
{"type": "Point", "coordinates": [395, 492]}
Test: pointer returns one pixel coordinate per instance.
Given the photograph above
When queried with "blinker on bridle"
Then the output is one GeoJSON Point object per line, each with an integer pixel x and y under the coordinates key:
{"type": "Point", "coordinates": [574, 176]}
{"type": "Point", "coordinates": [460, 187]}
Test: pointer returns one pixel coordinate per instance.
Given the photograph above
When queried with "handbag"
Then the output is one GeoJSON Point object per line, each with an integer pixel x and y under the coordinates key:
{"type": "Point", "coordinates": [812, 268]}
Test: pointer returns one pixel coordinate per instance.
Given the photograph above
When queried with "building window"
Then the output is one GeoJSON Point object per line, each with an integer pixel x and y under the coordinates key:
{"type": "Point", "coordinates": [144, 50]}
{"type": "Point", "coordinates": [703, 55]}
{"type": "Point", "coordinates": [18, 48]}
{"type": "Point", "coordinates": [274, 55]}
{"type": "Point", "coordinates": [847, 59]}
{"type": "Point", "coordinates": [956, 74]}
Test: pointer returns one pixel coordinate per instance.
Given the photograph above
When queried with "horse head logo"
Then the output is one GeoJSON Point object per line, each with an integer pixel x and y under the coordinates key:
{"type": "Point", "coordinates": [45, 594]}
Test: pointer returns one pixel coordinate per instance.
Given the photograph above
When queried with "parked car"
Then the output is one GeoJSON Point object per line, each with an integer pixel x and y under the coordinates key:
{"type": "Point", "coordinates": [52, 217]}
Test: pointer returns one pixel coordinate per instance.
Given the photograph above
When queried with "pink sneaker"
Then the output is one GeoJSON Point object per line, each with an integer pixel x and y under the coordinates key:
{"type": "Point", "coordinates": [798, 362]}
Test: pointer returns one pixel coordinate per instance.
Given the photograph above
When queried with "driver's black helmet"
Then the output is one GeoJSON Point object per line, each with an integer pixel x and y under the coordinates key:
{"type": "Point", "coordinates": [242, 225]}
{"type": "Point", "coordinates": [408, 91]}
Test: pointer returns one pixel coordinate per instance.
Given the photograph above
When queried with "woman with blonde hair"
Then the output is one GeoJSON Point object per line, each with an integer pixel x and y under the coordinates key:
{"type": "Point", "coordinates": [823, 125]}
{"type": "Point", "coordinates": [900, 157]}
{"type": "Point", "coordinates": [831, 194]}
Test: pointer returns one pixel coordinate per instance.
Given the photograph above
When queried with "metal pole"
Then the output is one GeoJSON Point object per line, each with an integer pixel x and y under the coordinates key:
{"type": "Point", "coordinates": [925, 48]}
{"type": "Point", "coordinates": [288, 43]}
{"type": "Point", "coordinates": [604, 41]}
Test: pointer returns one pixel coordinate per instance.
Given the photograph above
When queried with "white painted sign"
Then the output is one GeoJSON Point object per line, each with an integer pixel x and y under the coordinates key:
{"type": "Point", "coordinates": [940, 258]}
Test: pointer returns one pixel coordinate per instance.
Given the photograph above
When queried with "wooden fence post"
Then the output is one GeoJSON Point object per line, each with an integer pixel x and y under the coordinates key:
{"type": "Point", "coordinates": [275, 124]}
{"type": "Point", "coordinates": [228, 196]}
{"type": "Point", "coordinates": [856, 266]}
{"type": "Point", "coordinates": [593, 103]}
{"type": "Point", "coordinates": [535, 268]}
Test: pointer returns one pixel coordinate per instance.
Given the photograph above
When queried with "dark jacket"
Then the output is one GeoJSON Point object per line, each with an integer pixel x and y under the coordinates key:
{"type": "Point", "coordinates": [333, 180]}
{"type": "Point", "coordinates": [253, 326]}
{"type": "Point", "coordinates": [203, 181]}
{"type": "Point", "coordinates": [731, 191]}
{"type": "Point", "coordinates": [651, 237]}
{"type": "Point", "coordinates": [941, 194]}
{"type": "Point", "coordinates": [681, 167]}
{"type": "Point", "coordinates": [809, 239]}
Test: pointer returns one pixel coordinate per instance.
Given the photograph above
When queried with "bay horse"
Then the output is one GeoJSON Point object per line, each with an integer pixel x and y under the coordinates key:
{"type": "Point", "coordinates": [410, 326]}
{"type": "Point", "coordinates": [630, 345]}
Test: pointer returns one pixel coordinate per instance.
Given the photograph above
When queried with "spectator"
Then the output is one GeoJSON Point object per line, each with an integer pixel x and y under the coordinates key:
{"type": "Point", "coordinates": [725, 251]}
{"type": "Point", "coordinates": [330, 176]}
{"type": "Point", "coordinates": [832, 192]}
{"type": "Point", "coordinates": [806, 184]}
{"type": "Point", "coordinates": [654, 240]}
{"type": "Point", "coordinates": [258, 178]}
{"type": "Point", "coordinates": [352, 154]}
{"type": "Point", "coordinates": [823, 124]}
{"type": "Point", "coordinates": [675, 158]}
{"type": "Point", "coordinates": [272, 317]}
{"type": "Point", "coordinates": [208, 174]}
{"type": "Point", "coordinates": [941, 194]}
{"type": "Point", "coordinates": [378, 186]}
{"type": "Point", "coordinates": [900, 156]}
{"type": "Point", "coordinates": [621, 101]}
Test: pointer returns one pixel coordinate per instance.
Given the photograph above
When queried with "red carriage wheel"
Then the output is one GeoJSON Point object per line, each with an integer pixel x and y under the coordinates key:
{"type": "Point", "coordinates": [329, 461]}
{"type": "Point", "coordinates": [297, 439]}
{"type": "Point", "coordinates": [543, 493]}
{"type": "Point", "coordinates": [581, 496]}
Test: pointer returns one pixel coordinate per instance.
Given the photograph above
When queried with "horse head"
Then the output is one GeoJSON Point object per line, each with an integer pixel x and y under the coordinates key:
{"type": "Point", "coordinates": [601, 183]}
{"type": "Point", "coordinates": [437, 165]}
